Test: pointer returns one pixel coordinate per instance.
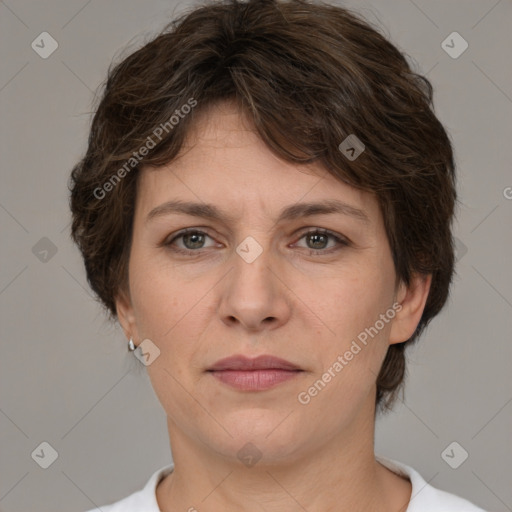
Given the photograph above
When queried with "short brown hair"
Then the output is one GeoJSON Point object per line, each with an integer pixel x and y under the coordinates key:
{"type": "Point", "coordinates": [308, 75]}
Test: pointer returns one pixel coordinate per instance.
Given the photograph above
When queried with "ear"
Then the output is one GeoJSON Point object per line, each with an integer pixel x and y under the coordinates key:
{"type": "Point", "coordinates": [412, 299]}
{"type": "Point", "coordinates": [126, 315]}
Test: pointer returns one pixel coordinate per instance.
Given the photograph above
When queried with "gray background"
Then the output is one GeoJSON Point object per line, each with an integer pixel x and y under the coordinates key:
{"type": "Point", "coordinates": [66, 377]}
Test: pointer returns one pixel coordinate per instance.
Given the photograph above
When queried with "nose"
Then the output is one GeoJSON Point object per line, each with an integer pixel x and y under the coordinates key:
{"type": "Point", "coordinates": [254, 294]}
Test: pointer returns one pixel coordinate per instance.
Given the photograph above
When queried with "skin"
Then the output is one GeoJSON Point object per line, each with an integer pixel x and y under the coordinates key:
{"type": "Point", "coordinates": [305, 308]}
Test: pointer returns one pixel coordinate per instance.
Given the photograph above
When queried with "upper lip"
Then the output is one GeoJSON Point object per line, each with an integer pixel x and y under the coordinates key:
{"type": "Point", "coordinates": [263, 362]}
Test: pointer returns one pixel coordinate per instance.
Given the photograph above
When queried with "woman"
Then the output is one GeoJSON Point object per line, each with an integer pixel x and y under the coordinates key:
{"type": "Point", "coordinates": [265, 206]}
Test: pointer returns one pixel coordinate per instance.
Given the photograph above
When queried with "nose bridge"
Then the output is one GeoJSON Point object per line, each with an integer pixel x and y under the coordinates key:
{"type": "Point", "coordinates": [253, 264]}
{"type": "Point", "coordinates": [253, 292]}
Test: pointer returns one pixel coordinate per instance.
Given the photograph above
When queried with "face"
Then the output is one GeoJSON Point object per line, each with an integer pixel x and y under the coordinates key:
{"type": "Point", "coordinates": [304, 287]}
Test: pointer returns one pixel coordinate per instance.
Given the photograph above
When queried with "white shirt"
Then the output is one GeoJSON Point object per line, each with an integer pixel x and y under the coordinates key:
{"type": "Point", "coordinates": [424, 497]}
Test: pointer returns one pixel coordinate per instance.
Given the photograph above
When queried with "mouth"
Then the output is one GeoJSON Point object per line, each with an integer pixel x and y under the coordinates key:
{"type": "Point", "coordinates": [243, 363]}
{"type": "Point", "coordinates": [256, 374]}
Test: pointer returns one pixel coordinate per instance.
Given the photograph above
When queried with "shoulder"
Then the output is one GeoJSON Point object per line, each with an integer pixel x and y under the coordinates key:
{"type": "Point", "coordinates": [430, 499]}
{"type": "Point", "coordinates": [425, 497]}
{"type": "Point", "coordinates": [143, 500]}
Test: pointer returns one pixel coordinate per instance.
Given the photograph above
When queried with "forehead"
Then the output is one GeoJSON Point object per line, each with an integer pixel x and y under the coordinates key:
{"type": "Point", "coordinates": [224, 162]}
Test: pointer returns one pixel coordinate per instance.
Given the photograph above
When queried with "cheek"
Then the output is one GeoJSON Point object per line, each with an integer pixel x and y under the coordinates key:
{"type": "Point", "coordinates": [157, 308]}
{"type": "Point", "coordinates": [351, 306]}
{"type": "Point", "coordinates": [173, 312]}
{"type": "Point", "coordinates": [157, 293]}
{"type": "Point", "coordinates": [354, 301]}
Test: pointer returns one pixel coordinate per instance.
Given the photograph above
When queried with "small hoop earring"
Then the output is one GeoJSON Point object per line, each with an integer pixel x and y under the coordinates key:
{"type": "Point", "coordinates": [131, 346]}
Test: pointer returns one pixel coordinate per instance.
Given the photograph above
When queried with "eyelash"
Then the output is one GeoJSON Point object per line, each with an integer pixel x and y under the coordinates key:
{"type": "Point", "coordinates": [312, 252]}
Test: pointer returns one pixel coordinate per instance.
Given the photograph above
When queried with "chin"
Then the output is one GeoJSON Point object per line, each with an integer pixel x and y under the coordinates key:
{"type": "Point", "coordinates": [259, 434]}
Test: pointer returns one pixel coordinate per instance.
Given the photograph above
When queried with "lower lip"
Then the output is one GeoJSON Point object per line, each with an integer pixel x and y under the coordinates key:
{"type": "Point", "coordinates": [254, 380]}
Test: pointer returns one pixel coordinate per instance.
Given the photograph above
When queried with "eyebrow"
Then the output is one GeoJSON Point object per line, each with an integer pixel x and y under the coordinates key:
{"type": "Point", "coordinates": [292, 212]}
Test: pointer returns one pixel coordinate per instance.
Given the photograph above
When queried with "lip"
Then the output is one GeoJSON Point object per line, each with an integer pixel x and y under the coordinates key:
{"type": "Point", "coordinates": [254, 380]}
{"type": "Point", "coordinates": [254, 374]}
{"type": "Point", "coordinates": [243, 363]}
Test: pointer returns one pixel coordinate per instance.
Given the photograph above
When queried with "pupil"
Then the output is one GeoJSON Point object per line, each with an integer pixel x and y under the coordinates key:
{"type": "Point", "coordinates": [317, 236]}
{"type": "Point", "coordinates": [187, 237]}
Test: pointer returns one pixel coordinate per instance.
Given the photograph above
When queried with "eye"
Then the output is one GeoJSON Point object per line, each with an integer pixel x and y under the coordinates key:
{"type": "Point", "coordinates": [318, 238]}
{"type": "Point", "coordinates": [193, 240]}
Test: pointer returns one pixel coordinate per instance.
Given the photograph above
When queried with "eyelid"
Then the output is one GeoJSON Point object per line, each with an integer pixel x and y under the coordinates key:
{"type": "Point", "coordinates": [324, 231]}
